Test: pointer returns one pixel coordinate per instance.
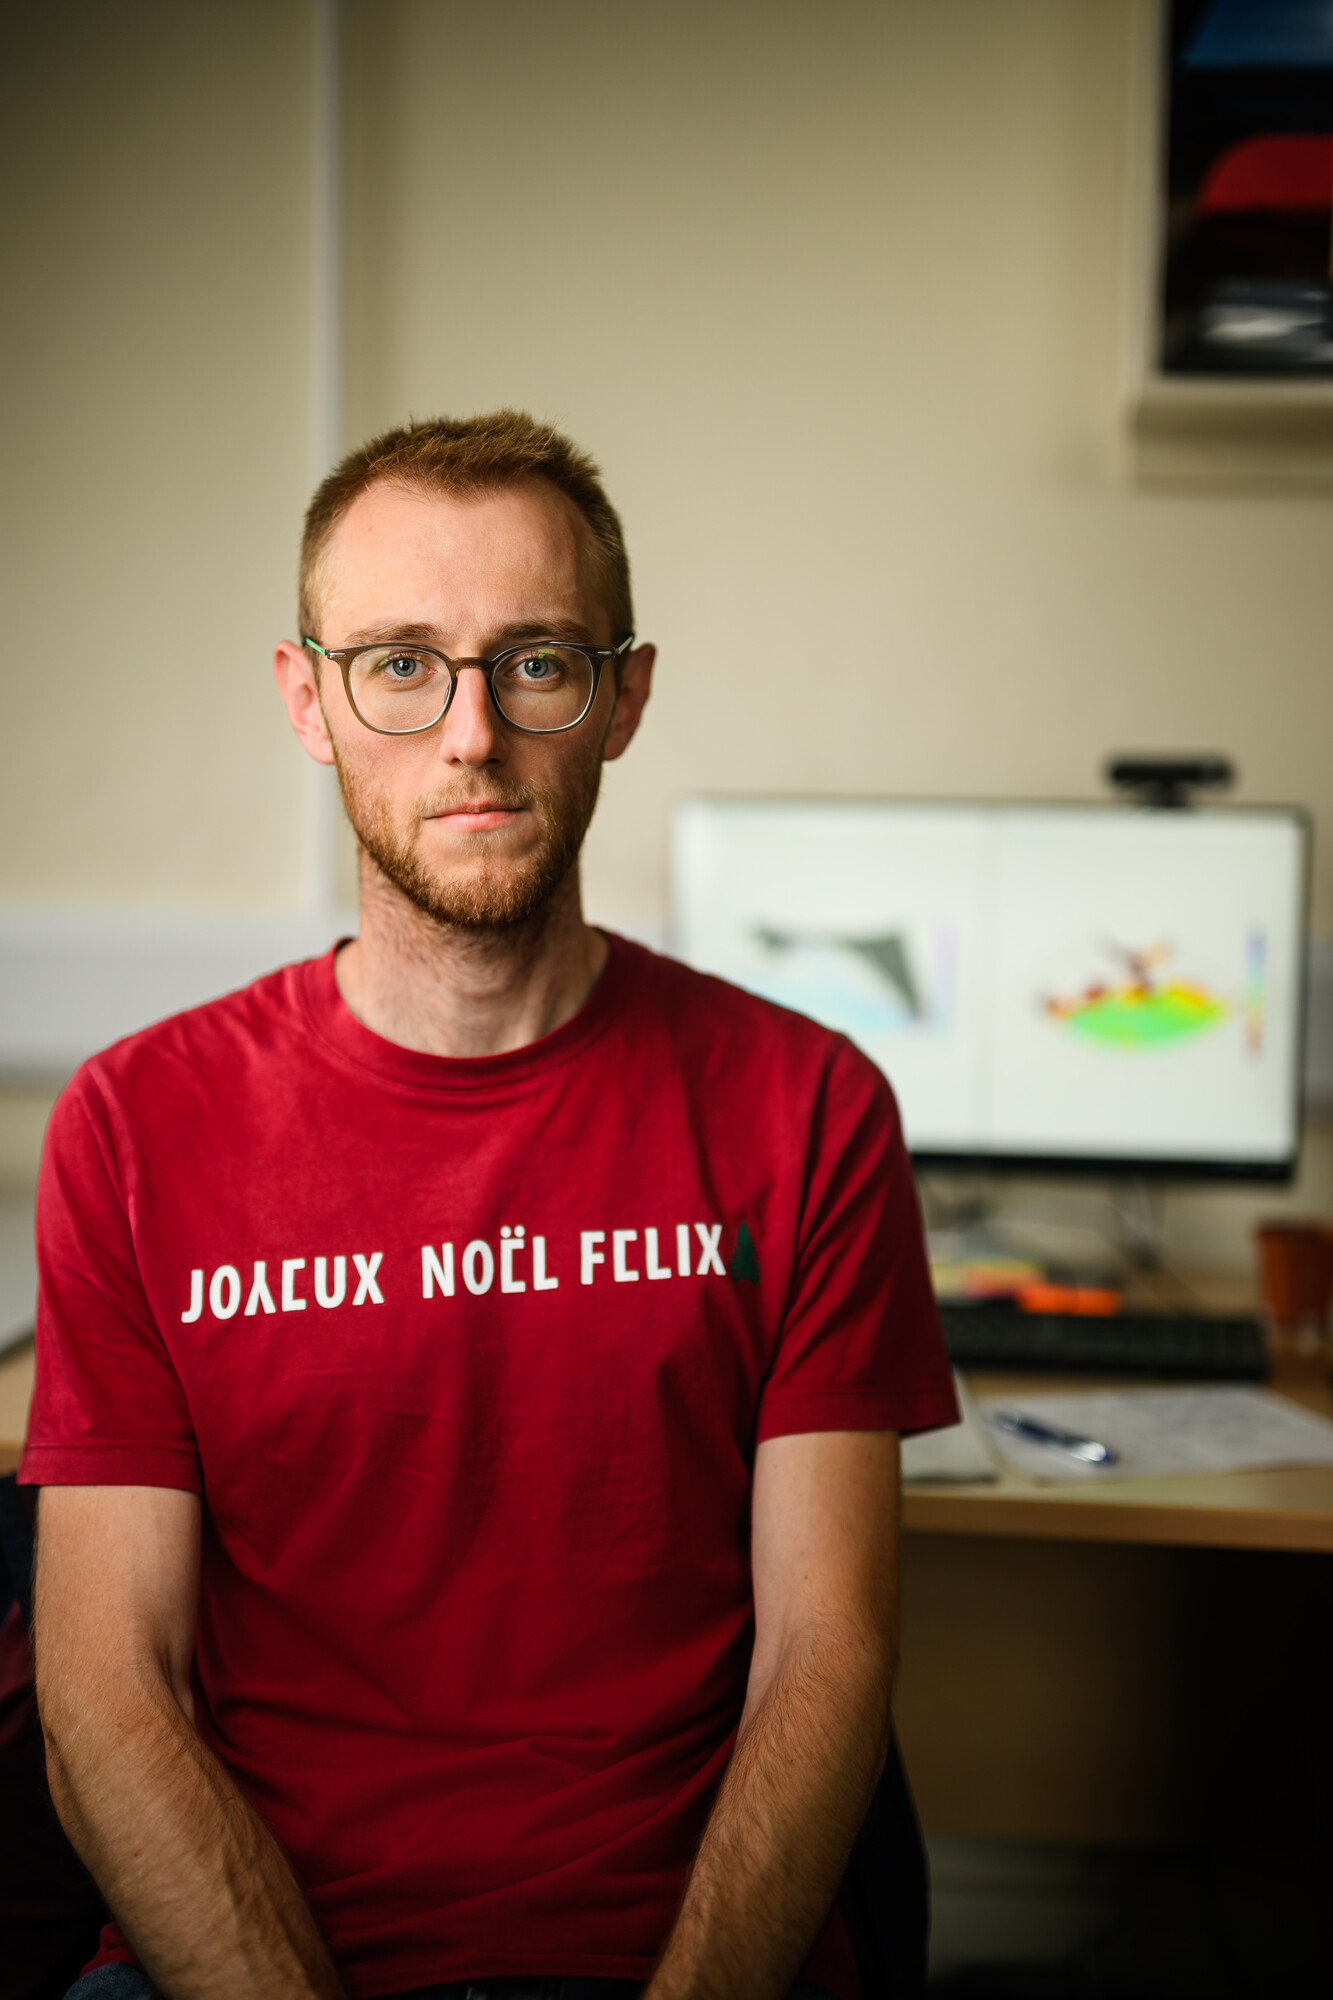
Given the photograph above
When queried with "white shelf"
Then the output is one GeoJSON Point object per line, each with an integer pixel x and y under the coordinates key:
{"type": "Point", "coordinates": [18, 1270]}
{"type": "Point", "coordinates": [75, 980]}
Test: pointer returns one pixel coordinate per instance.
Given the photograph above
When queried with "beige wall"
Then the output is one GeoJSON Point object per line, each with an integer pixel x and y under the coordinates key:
{"type": "Point", "coordinates": [155, 230]}
{"type": "Point", "coordinates": [834, 292]}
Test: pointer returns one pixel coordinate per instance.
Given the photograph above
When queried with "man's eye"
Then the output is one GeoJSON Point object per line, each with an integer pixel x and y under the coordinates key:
{"type": "Point", "coordinates": [395, 669]}
{"type": "Point", "coordinates": [537, 667]}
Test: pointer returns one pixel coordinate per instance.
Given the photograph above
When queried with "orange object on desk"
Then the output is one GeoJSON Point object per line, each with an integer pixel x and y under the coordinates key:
{"type": "Point", "coordinates": [1296, 1272]}
{"type": "Point", "coordinates": [1096, 1301]}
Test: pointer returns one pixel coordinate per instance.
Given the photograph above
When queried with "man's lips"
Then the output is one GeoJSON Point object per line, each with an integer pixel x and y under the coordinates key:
{"type": "Point", "coordinates": [477, 817]}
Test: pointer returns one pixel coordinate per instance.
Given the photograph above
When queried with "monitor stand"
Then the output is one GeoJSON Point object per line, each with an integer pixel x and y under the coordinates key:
{"type": "Point", "coordinates": [1114, 1232]}
{"type": "Point", "coordinates": [1139, 1211]}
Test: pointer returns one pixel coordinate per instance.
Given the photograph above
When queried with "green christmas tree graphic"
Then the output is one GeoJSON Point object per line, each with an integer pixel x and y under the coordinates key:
{"type": "Point", "coordinates": [744, 1258]}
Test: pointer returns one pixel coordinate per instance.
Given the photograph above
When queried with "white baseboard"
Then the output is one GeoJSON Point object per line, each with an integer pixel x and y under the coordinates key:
{"type": "Point", "coordinates": [1010, 1902]}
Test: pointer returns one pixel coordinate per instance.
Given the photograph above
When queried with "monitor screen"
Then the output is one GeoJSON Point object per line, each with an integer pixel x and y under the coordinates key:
{"type": "Point", "coordinates": [1072, 985]}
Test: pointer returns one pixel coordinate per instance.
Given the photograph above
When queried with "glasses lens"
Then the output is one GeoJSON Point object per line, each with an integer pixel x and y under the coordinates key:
{"type": "Point", "coordinates": [398, 688]}
{"type": "Point", "coordinates": [543, 687]}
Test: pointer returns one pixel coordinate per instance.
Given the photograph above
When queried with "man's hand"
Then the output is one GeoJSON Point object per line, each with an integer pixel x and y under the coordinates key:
{"type": "Point", "coordinates": [194, 1878]}
{"type": "Point", "coordinates": [815, 1727]}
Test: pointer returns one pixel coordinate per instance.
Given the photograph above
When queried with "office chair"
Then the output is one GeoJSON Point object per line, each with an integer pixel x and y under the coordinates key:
{"type": "Point", "coordinates": [50, 1910]}
{"type": "Point", "coordinates": [885, 1893]}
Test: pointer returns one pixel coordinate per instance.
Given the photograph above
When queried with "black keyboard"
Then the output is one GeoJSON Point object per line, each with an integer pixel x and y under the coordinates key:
{"type": "Point", "coordinates": [996, 1334]}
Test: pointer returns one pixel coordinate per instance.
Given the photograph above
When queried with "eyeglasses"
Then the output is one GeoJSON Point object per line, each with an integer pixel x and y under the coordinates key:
{"type": "Point", "coordinates": [540, 687]}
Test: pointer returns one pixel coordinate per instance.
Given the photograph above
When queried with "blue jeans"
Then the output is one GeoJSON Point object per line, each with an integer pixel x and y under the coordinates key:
{"type": "Point", "coordinates": [126, 1982]}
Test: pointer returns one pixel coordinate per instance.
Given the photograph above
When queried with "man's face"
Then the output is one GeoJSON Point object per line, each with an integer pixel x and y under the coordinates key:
{"type": "Point", "coordinates": [475, 822]}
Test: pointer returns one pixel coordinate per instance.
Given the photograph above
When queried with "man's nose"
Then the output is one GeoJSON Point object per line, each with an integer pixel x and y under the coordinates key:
{"type": "Point", "coordinates": [472, 732]}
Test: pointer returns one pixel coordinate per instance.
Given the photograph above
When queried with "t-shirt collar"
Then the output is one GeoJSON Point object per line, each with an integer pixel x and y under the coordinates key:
{"type": "Point", "coordinates": [334, 1021]}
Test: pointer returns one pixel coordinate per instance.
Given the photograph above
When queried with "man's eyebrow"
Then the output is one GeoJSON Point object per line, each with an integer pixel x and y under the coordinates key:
{"type": "Point", "coordinates": [554, 628]}
{"type": "Point", "coordinates": [507, 635]}
{"type": "Point", "coordinates": [419, 635]}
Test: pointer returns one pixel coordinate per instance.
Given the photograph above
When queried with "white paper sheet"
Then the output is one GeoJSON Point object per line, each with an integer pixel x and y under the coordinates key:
{"type": "Point", "coordinates": [1216, 1427]}
{"type": "Point", "coordinates": [960, 1455]}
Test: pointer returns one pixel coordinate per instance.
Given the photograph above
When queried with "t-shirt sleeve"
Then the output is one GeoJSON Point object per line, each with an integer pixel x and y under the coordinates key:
{"type": "Point", "coordinates": [109, 1408]}
{"type": "Point", "coordinates": [860, 1346]}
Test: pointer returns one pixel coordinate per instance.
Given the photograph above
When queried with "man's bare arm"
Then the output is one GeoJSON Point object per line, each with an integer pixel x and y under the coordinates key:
{"type": "Point", "coordinates": [815, 1727]}
{"type": "Point", "coordinates": [195, 1879]}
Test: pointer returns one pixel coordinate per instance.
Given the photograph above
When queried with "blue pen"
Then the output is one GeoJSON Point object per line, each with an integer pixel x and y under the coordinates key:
{"type": "Point", "coordinates": [1086, 1449]}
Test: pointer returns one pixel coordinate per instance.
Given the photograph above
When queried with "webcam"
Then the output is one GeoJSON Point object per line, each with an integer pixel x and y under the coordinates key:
{"type": "Point", "coordinates": [1168, 781]}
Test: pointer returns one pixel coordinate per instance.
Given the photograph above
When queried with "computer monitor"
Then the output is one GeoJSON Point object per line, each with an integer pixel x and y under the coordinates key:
{"type": "Point", "coordinates": [1109, 988]}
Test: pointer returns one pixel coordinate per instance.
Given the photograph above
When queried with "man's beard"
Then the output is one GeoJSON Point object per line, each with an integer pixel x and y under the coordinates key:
{"type": "Point", "coordinates": [503, 892]}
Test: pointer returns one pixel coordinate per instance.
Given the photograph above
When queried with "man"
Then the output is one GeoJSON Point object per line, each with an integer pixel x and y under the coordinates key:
{"type": "Point", "coordinates": [471, 1364]}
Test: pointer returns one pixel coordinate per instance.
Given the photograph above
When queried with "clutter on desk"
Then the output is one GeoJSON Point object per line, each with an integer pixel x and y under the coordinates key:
{"type": "Point", "coordinates": [991, 1277]}
{"type": "Point", "coordinates": [972, 1267]}
{"type": "Point", "coordinates": [1032, 1286]}
{"type": "Point", "coordinates": [1152, 1432]}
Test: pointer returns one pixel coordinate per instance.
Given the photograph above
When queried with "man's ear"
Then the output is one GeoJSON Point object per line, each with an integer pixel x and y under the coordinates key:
{"type": "Point", "coordinates": [636, 684]}
{"type": "Point", "coordinates": [294, 671]}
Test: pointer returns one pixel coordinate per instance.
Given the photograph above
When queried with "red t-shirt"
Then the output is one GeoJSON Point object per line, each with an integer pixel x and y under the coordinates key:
{"type": "Point", "coordinates": [469, 1359]}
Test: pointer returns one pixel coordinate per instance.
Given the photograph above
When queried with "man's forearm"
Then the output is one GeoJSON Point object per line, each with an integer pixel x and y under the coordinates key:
{"type": "Point", "coordinates": [808, 1755]}
{"type": "Point", "coordinates": [195, 1879]}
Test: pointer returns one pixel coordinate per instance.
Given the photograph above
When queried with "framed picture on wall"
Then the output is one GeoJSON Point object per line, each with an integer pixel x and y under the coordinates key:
{"type": "Point", "coordinates": [1233, 278]}
{"type": "Point", "coordinates": [1247, 170]}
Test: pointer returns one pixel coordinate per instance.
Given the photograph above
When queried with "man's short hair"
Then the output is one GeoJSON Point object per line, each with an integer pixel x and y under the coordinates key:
{"type": "Point", "coordinates": [472, 455]}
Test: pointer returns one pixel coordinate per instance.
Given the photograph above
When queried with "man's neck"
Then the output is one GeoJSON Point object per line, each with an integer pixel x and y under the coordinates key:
{"type": "Point", "coordinates": [448, 991]}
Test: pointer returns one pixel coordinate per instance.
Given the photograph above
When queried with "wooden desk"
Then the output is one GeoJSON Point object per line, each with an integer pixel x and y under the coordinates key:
{"type": "Point", "coordinates": [1288, 1509]}
{"type": "Point", "coordinates": [1089, 1664]}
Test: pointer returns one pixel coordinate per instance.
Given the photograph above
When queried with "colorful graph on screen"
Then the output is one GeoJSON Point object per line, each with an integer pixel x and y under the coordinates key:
{"type": "Point", "coordinates": [890, 983]}
{"type": "Point", "coordinates": [1145, 1005]}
